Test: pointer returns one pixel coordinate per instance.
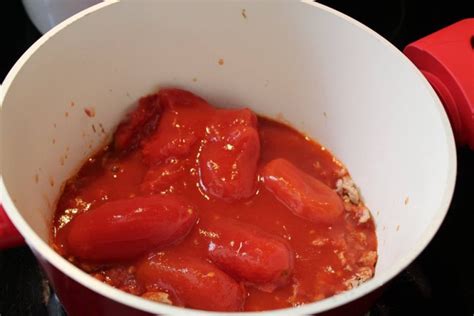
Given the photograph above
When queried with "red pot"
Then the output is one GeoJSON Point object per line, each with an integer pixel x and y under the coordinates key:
{"type": "Point", "coordinates": [327, 74]}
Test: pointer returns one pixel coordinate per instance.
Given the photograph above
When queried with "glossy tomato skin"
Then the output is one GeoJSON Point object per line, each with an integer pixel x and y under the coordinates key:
{"type": "Point", "coordinates": [124, 229]}
{"type": "Point", "coordinates": [249, 254]}
{"type": "Point", "coordinates": [195, 282]}
{"type": "Point", "coordinates": [160, 177]}
{"type": "Point", "coordinates": [181, 126]}
{"type": "Point", "coordinates": [139, 124]}
{"type": "Point", "coordinates": [229, 156]}
{"type": "Point", "coordinates": [305, 196]}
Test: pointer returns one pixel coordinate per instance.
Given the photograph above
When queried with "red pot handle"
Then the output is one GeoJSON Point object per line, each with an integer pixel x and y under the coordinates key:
{"type": "Point", "coordinates": [446, 59]}
{"type": "Point", "coordinates": [9, 236]}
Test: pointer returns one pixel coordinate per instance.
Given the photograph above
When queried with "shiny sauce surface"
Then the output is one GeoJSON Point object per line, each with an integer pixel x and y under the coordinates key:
{"type": "Point", "coordinates": [329, 258]}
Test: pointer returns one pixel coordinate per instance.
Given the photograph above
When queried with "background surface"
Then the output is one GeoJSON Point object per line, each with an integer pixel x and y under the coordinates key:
{"type": "Point", "coordinates": [439, 282]}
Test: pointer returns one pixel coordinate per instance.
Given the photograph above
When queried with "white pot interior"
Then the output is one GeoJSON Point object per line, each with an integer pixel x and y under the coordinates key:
{"type": "Point", "coordinates": [325, 74]}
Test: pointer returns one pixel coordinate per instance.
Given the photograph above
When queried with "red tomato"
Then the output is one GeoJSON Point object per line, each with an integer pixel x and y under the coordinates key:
{"type": "Point", "coordinates": [160, 177]}
{"type": "Point", "coordinates": [224, 120]}
{"type": "Point", "coordinates": [172, 98]}
{"type": "Point", "coordinates": [196, 283]}
{"type": "Point", "coordinates": [124, 229]}
{"type": "Point", "coordinates": [304, 195]}
{"type": "Point", "coordinates": [228, 160]}
{"type": "Point", "coordinates": [249, 254]}
{"type": "Point", "coordinates": [181, 126]}
{"type": "Point", "coordinates": [170, 142]}
{"type": "Point", "coordinates": [139, 124]}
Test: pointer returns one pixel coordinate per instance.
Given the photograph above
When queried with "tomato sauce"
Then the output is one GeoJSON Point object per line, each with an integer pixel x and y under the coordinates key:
{"type": "Point", "coordinates": [249, 207]}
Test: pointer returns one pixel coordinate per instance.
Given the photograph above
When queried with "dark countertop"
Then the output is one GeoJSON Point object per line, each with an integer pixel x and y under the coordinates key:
{"type": "Point", "coordinates": [439, 282]}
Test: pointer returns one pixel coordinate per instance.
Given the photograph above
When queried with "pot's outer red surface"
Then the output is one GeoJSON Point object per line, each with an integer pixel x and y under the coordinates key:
{"type": "Point", "coordinates": [446, 59]}
{"type": "Point", "coordinates": [9, 236]}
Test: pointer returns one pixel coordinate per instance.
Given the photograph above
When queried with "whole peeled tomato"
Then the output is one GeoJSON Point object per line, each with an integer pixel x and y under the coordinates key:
{"type": "Point", "coordinates": [124, 229]}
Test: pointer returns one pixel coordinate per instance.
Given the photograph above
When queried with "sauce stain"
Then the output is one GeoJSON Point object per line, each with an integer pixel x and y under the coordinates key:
{"type": "Point", "coordinates": [90, 112]}
{"type": "Point", "coordinates": [102, 128]}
